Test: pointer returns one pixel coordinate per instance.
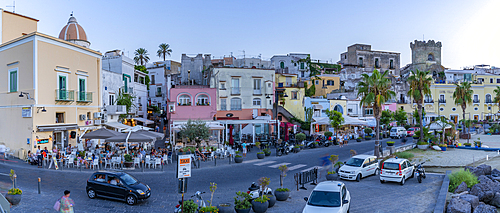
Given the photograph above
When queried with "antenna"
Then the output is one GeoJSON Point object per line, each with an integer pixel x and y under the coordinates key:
{"type": "Point", "coordinates": [71, 13]}
{"type": "Point", "coordinates": [13, 7]}
{"type": "Point", "coordinates": [423, 37]}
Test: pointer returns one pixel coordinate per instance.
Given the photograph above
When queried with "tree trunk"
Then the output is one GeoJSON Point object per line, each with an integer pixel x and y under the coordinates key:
{"type": "Point", "coordinates": [377, 137]}
{"type": "Point", "coordinates": [420, 117]}
{"type": "Point", "coordinates": [463, 123]}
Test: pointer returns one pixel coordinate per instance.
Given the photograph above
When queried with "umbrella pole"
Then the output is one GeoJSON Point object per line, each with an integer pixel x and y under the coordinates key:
{"type": "Point", "coordinates": [126, 140]}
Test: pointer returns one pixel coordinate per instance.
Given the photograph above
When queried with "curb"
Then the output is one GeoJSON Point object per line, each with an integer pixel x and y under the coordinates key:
{"type": "Point", "coordinates": [443, 192]}
{"type": "Point", "coordinates": [474, 148]}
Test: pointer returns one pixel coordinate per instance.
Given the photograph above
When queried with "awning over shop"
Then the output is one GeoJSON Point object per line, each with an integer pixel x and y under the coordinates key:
{"type": "Point", "coordinates": [134, 137]}
{"type": "Point", "coordinates": [317, 106]}
{"type": "Point", "coordinates": [100, 134]}
{"type": "Point", "coordinates": [56, 127]}
{"type": "Point", "coordinates": [321, 120]}
{"type": "Point", "coordinates": [348, 120]}
{"type": "Point", "coordinates": [118, 126]}
{"type": "Point", "coordinates": [144, 120]}
{"type": "Point", "coordinates": [211, 125]}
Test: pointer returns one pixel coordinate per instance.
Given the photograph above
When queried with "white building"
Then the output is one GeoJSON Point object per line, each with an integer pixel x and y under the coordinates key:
{"type": "Point", "coordinates": [290, 64]}
{"type": "Point", "coordinates": [163, 76]}
{"type": "Point", "coordinates": [252, 62]}
{"type": "Point", "coordinates": [119, 75]}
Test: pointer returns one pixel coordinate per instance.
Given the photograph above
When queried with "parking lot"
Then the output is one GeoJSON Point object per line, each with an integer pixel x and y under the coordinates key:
{"type": "Point", "coordinates": [369, 195]}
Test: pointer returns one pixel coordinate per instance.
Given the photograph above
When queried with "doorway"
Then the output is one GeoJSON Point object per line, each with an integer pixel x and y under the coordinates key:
{"type": "Point", "coordinates": [60, 139]}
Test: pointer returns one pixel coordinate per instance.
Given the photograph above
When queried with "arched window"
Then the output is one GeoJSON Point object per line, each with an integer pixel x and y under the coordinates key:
{"type": "Point", "coordinates": [430, 57]}
{"type": "Point", "coordinates": [184, 100]}
{"type": "Point", "coordinates": [339, 108]}
{"type": "Point", "coordinates": [282, 65]}
{"type": "Point", "coordinates": [256, 102]}
{"type": "Point", "coordinates": [235, 103]}
{"type": "Point", "coordinates": [488, 98]}
{"type": "Point", "coordinates": [202, 100]}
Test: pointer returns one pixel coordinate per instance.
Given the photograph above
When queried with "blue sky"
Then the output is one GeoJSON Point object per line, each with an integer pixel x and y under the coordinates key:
{"type": "Point", "coordinates": [469, 30]}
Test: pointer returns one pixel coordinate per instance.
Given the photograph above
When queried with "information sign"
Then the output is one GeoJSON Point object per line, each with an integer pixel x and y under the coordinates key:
{"type": "Point", "coordinates": [184, 166]}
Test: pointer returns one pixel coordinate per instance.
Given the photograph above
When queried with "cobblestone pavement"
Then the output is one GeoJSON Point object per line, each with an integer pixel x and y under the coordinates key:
{"type": "Point", "coordinates": [452, 157]}
{"type": "Point", "coordinates": [230, 178]}
{"type": "Point", "coordinates": [491, 141]}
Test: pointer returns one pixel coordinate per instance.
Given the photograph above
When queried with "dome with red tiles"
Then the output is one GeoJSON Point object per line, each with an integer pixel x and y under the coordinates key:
{"type": "Point", "coordinates": [74, 33]}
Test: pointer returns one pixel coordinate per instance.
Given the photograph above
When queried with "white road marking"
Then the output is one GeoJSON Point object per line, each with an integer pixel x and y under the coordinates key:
{"type": "Point", "coordinates": [296, 167]}
{"type": "Point", "coordinates": [264, 163]}
{"type": "Point", "coordinates": [252, 161]}
{"type": "Point", "coordinates": [309, 168]}
{"type": "Point", "coordinates": [279, 164]}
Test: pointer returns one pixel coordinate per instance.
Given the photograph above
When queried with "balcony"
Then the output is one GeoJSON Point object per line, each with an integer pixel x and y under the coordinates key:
{"type": "Point", "coordinates": [476, 101]}
{"type": "Point", "coordinates": [184, 104]}
{"type": "Point", "coordinates": [65, 95]}
{"type": "Point", "coordinates": [281, 70]}
{"type": "Point", "coordinates": [158, 94]}
{"type": "Point", "coordinates": [127, 90]}
{"type": "Point", "coordinates": [488, 101]}
{"type": "Point", "coordinates": [257, 92]}
{"type": "Point", "coordinates": [442, 101]}
{"type": "Point", "coordinates": [235, 90]}
{"type": "Point", "coordinates": [427, 101]}
{"type": "Point", "coordinates": [117, 109]}
{"type": "Point", "coordinates": [84, 96]}
{"type": "Point", "coordinates": [403, 102]}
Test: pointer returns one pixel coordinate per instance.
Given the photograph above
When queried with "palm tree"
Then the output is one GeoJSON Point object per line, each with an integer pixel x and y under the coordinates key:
{"type": "Point", "coordinates": [163, 51]}
{"type": "Point", "coordinates": [141, 56]}
{"type": "Point", "coordinates": [420, 83]}
{"type": "Point", "coordinates": [497, 95]}
{"type": "Point", "coordinates": [463, 97]}
{"type": "Point", "coordinates": [374, 91]}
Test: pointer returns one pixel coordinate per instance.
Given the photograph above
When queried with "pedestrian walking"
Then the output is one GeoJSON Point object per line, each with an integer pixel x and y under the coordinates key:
{"type": "Point", "coordinates": [341, 140]}
{"type": "Point", "coordinates": [66, 203]}
{"type": "Point", "coordinates": [244, 147]}
{"type": "Point", "coordinates": [39, 157]}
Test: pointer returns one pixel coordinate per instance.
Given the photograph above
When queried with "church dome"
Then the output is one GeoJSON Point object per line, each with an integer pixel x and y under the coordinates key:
{"type": "Point", "coordinates": [74, 33]}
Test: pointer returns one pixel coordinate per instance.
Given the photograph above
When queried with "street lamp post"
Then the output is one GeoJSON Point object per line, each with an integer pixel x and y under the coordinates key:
{"type": "Point", "coordinates": [276, 94]}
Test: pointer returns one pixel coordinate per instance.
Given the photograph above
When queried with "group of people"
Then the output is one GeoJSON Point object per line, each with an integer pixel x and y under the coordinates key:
{"type": "Point", "coordinates": [203, 153]}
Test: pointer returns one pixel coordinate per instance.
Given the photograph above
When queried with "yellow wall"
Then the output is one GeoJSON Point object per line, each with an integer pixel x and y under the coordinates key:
{"type": "Point", "coordinates": [295, 106]}
{"type": "Point", "coordinates": [342, 103]}
{"type": "Point", "coordinates": [14, 25]}
{"type": "Point", "coordinates": [322, 90]}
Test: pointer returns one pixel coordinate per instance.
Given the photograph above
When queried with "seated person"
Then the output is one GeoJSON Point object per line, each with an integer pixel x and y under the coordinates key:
{"type": "Point", "coordinates": [100, 178]}
{"type": "Point", "coordinates": [200, 154]}
{"type": "Point", "coordinates": [114, 181]}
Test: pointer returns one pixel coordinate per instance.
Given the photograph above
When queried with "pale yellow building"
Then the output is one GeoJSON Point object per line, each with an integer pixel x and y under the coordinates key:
{"type": "Point", "coordinates": [50, 89]}
{"type": "Point", "coordinates": [324, 84]}
{"type": "Point", "coordinates": [295, 91]}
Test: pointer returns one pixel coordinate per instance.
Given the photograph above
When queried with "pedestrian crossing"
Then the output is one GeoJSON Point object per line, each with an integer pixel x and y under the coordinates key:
{"type": "Point", "coordinates": [265, 163]}
{"type": "Point", "coordinates": [274, 164]}
{"type": "Point", "coordinates": [278, 165]}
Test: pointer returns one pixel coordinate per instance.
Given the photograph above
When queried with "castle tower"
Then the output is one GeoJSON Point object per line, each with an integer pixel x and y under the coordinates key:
{"type": "Point", "coordinates": [426, 56]}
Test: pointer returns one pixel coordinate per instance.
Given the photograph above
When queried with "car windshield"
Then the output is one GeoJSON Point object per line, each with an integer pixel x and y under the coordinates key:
{"type": "Point", "coordinates": [355, 162]}
{"type": "Point", "coordinates": [391, 166]}
{"type": "Point", "coordinates": [394, 130]}
{"type": "Point", "coordinates": [324, 199]}
{"type": "Point", "coordinates": [129, 180]}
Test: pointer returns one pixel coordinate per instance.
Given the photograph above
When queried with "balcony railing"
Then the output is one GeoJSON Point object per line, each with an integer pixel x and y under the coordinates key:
{"type": "Point", "coordinates": [117, 109]}
{"type": "Point", "coordinates": [442, 101]}
{"type": "Point", "coordinates": [257, 92]}
{"type": "Point", "coordinates": [84, 96]}
{"type": "Point", "coordinates": [65, 95]}
{"type": "Point", "coordinates": [488, 101]}
{"type": "Point", "coordinates": [475, 101]}
{"type": "Point", "coordinates": [281, 70]}
{"type": "Point", "coordinates": [127, 90]}
{"type": "Point", "coordinates": [235, 90]}
{"type": "Point", "coordinates": [428, 101]}
{"type": "Point", "coordinates": [158, 94]}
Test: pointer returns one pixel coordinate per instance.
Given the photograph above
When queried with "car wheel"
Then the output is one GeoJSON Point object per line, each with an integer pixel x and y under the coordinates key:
{"type": "Point", "coordinates": [91, 193]}
{"type": "Point", "coordinates": [403, 181]}
{"type": "Point", "coordinates": [382, 181]}
{"type": "Point", "coordinates": [376, 172]}
{"type": "Point", "coordinates": [131, 200]}
{"type": "Point", "coordinates": [358, 178]}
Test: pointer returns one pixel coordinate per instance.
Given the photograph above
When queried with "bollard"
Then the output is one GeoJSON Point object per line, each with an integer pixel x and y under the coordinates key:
{"type": "Point", "coordinates": [486, 157]}
{"type": "Point", "coordinates": [162, 166]}
{"type": "Point", "coordinates": [229, 158]}
{"type": "Point", "coordinates": [142, 166]}
{"type": "Point", "coordinates": [39, 185]}
{"type": "Point", "coordinates": [215, 160]}
{"type": "Point", "coordinates": [15, 180]}
{"type": "Point", "coordinates": [80, 167]}
{"type": "Point", "coordinates": [199, 162]}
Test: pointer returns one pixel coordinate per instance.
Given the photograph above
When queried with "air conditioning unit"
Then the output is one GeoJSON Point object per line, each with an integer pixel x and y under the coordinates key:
{"type": "Point", "coordinates": [83, 117]}
{"type": "Point", "coordinates": [97, 122]}
{"type": "Point", "coordinates": [105, 118]}
{"type": "Point", "coordinates": [97, 114]}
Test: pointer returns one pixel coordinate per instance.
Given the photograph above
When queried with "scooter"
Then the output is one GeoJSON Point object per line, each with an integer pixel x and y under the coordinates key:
{"type": "Point", "coordinates": [420, 172]}
{"type": "Point", "coordinates": [199, 201]}
{"type": "Point", "coordinates": [255, 191]}
{"type": "Point", "coordinates": [282, 149]}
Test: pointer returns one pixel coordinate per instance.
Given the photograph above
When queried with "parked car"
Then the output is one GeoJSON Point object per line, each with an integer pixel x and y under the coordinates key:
{"type": "Point", "coordinates": [398, 132]}
{"type": "Point", "coordinates": [396, 170]}
{"type": "Point", "coordinates": [411, 131]}
{"type": "Point", "coordinates": [359, 166]}
{"type": "Point", "coordinates": [328, 196]}
{"type": "Point", "coordinates": [118, 186]}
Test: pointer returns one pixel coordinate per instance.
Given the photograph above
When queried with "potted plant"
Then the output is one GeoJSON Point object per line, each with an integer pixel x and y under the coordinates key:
{"type": "Point", "coordinates": [296, 148]}
{"type": "Point", "coordinates": [128, 161]}
{"type": "Point", "coordinates": [368, 137]}
{"type": "Point", "coordinates": [189, 206]}
{"type": "Point", "coordinates": [238, 158]}
{"type": "Point", "coordinates": [267, 152]}
{"type": "Point", "coordinates": [211, 209]}
{"type": "Point", "coordinates": [272, 199]}
{"type": "Point", "coordinates": [368, 131]}
{"type": "Point", "coordinates": [225, 208]}
{"type": "Point", "coordinates": [443, 147]}
{"type": "Point", "coordinates": [14, 194]}
{"type": "Point", "coordinates": [477, 143]}
{"type": "Point", "coordinates": [337, 166]}
{"type": "Point", "coordinates": [332, 175]}
{"type": "Point", "coordinates": [260, 155]}
{"type": "Point", "coordinates": [467, 144]}
{"type": "Point", "coordinates": [242, 202]}
{"type": "Point", "coordinates": [390, 143]}
{"type": "Point", "coordinates": [300, 137]}
{"type": "Point", "coordinates": [316, 144]}
{"type": "Point", "coordinates": [260, 204]}
{"type": "Point", "coordinates": [359, 139]}
{"type": "Point", "coordinates": [301, 146]}
{"type": "Point", "coordinates": [281, 193]}
{"type": "Point", "coordinates": [423, 145]}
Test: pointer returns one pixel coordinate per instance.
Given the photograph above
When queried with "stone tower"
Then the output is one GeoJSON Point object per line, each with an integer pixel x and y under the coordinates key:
{"type": "Point", "coordinates": [426, 56]}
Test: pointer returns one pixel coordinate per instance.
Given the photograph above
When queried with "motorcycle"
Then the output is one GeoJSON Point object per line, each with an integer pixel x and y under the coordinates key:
{"type": "Point", "coordinates": [255, 191]}
{"type": "Point", "coordinates": [282, 149]}
{"type": "Point", "coordinates": [199, 201]}
{"type": "Point", "coordinates": [420, 172]}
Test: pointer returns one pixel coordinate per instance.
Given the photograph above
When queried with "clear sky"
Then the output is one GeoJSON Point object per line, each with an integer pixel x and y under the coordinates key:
{"type": "Point", "coordinates": [469, 30]}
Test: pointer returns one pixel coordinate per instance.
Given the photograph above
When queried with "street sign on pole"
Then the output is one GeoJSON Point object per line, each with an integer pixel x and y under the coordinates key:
{"type": "Point", "coordinates": [184, 166]}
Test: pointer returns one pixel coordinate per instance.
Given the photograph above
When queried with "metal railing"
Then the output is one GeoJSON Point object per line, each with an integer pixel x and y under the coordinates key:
{"type": "Point", "coordinates": [281, 70]}
{"type": "Point", "coordinates": [65, 95]}
{"type": "Point", "coordinates": [309, 176]}
{"type": "Point", "coordinates": [476, 101]}
{"type": "Point", "coordinates": [442, 101]}
{"type": "Point", "coordinates": [257, 92]}
{"type": "Point", "coordinates": [127, 90]}
{"type": "Point", "coordinates": [158, 94]}
{"type": "Point", "coordinates": [235, 90]}
{"type": "Point", "coordinates": [402, 101]}
{"type": "Point", "coordinates": [84, 96]}
{"type": "Point", "coordinates": [117, 109]}
{"type": "Point", "coordinates": [428, 101]}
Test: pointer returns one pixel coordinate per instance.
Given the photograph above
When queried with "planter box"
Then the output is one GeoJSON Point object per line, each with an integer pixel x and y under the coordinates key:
{"type": "Point", "coordinates": [259, 207]}
{"type": "Point", "coordinates": [332, 177]}
{"type": "Point", "coordinates": [368, 139]}
{"type": "Point", "coordinates": [260, 156]}
{"type": "Point", "coordinates": [281, 196]}
{"type": "Point", "coordinates": [467, 145]}
{"type": "Point", "coordinates": [443, 148]}
{"type": "Point", "coordinates": [267, 154]}
{"type": "Point", "coordinates": [238, 159]}
{"type": "Point", "coordinates": [271, 201]}
{"type": "Point", "coordinates": [423, 147]}
{"type": "Point", "coordinates": [390, 144]}
{"type": "Point", "coordinates": [225, 208]}
{"type": "Point", "coordinates": [358, 140]}
{"type": "Point", "coordinates": [128, 164]}
{"type": "Point", "coordinates": [242, 210]}
{"type": "Point", "coordinates": [13, 199]}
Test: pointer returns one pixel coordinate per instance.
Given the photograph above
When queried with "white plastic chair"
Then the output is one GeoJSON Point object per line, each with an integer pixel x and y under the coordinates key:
{"type": "Point", "coordinates": [165, 159]}
{"type": "Point", "coordinates": [107, 162]}
{"type": "Point", "coordinates": [211, 156]}
{"type": "Point", "coordinates": [137, 162]}
{"type": "Point", "coordinates": [95, 163]}
{"type": "Point", "coordinates": [115, 161]}
{"type": "Point", "coordinates": [157, 162]}
{"type": "Point", "coordinates": [148, 161]}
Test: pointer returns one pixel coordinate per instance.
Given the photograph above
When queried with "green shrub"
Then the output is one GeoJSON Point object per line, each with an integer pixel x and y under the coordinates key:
{"type": "Point", "coordinates": [282, 190]}
{"type": "Point", "coordinates": [242, 200]}
{"type": "Point", "coordinates": [266, 150]}
{"type": "Point", "coordinates": [405, 155]}
{"type": "Point", "coordinates": [190, 206]}
{"type": "Point", "coordinates": [456, 178]}
{"type": "Point", "coordinates": [128, 158]}
{"type": "Point", "coordinates": [328, 134]}
{"type": "Point", "coordinates": [238, 156]}
{"type": "Point", "coordinates": [300, 137]}
{"type": "Point", "coordinates": [467, 144]}
{"type": "Point", "coordinates": [368, 130]}
{"type": "Point", "coordinates": [260, 153]}
{"type": "Point", "coordinates": [390, 142]}
{"type": "Point", "coordinates": [422, 143]}
{"type": "Point", "coordinates": [261, 199]}
{"type": "Point", "coordinates": [207, 209]}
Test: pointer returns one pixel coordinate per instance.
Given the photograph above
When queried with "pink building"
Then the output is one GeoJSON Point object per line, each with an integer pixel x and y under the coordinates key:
{"type": "Point", "coordinates": [193, 102]}
{"type": "Point", "coordinates": [391, 107]}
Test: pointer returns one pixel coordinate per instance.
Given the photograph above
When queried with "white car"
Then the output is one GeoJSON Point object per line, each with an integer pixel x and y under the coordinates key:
{"type": "Point", "coordinates": [328, 196]}
{"type": "Point", "coordinates": [398, 132]}
{"type": "Point", "coordinates": [358, 167]}
{"type": "Point", "coordinates": [396, 170]}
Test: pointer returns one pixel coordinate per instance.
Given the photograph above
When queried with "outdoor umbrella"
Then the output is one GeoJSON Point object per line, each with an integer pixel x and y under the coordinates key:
{"type": "Point", "coordinates": [102, 133]}
{"type": "Point", "coordinates": [231, 140]}
{"type": "Point", "coordinates": [151, 134]}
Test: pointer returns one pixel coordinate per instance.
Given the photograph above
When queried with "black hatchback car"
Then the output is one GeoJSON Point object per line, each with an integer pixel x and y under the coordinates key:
{"type": "Point", "coordinates": [117, 185]}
